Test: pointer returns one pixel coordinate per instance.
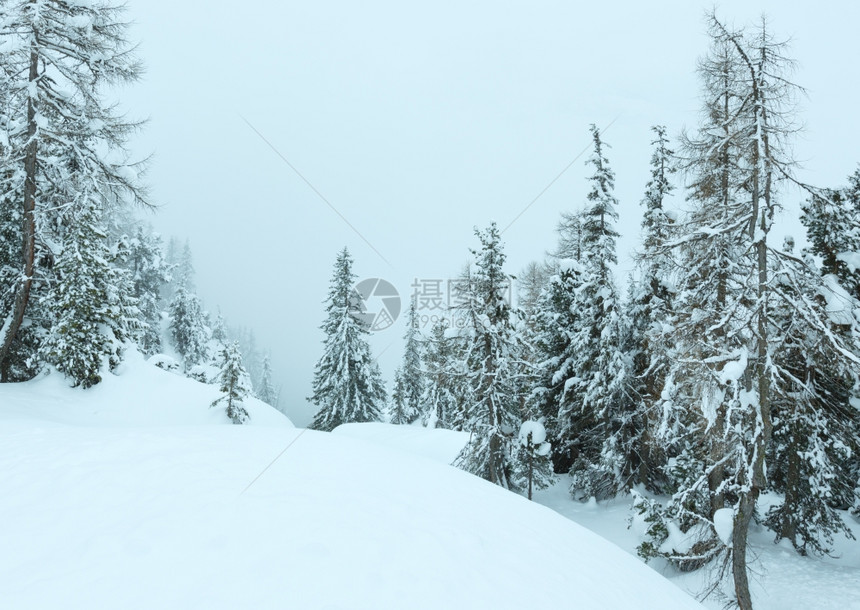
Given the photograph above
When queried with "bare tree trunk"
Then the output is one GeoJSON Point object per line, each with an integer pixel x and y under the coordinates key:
{"type": "Point", "coordinates": [28, 252]}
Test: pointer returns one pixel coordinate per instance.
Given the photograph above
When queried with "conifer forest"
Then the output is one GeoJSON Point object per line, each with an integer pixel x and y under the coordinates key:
{"type": "Point", "coordinates": [690, 393]}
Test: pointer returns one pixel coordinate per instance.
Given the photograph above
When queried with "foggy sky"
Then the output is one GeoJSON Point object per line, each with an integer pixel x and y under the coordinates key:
{"type": "Point", "coordinates": [418, 123]}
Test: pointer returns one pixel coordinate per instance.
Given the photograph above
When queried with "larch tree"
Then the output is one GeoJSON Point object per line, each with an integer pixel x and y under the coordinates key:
{"type": "Point", "coordinates": [64, 138]}
{"type": "Point", "coordinates": [347, 384]}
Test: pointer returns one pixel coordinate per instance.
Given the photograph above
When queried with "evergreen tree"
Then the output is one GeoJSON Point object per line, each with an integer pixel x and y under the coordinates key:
{"type": "Point", "coordinates": [64, 139]}
{"type": "Point", "coordinates": [440, 393]}
{"type": "Point", "coordinates": [815, 428]}
{"type": "Point", "coordinates": [234, 384]}
{"type": "Point", "coordinates": [398, 411]}
{"type": "Point", "coordinates": [832, 221]}
{"type": "Point", "coordinates": [91, 309]}
{"type": "Point", "coordinates": [347, 385]}
{"type": "Point", "coordinates": [650, 306]}
{"type": "Point", "coordinates": [534, 467]}
{"type": "Point", "coordinates": [598, 385]}
{"type": "Point", "coordinates": [266, 391]}
{"type": "Point", "coordinates": [557, 322]}
{"type": "Point", "coordinates": [219, 329]}
{"type": "Point", "coordinates": [149, 272]}
{"type": "Point", "coordinates": [187, 328]}
{"type": "Point", "coordinates": [491, 354]}
{"type": "Point", "coordinates": [409, 386]}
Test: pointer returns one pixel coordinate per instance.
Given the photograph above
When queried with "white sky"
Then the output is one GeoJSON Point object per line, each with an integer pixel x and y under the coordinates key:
{"type": "Point", "coordinates": [418, 122]}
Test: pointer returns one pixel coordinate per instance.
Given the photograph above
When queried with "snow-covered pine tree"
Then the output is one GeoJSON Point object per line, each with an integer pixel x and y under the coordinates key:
{"type": "Point", "coordinates": [185, 271]}
{"type": "Point", "coordinates": [219, 329]}
{"type": "Point", "coordinates": [347, 385]}
{"type": "Point", "coordinates": [91, 310]}
{"type": "Point", "coordinates": [188, 328]}
{"type": "Point", "coordinates": [397, 410]}
{"type": "Point", "coordinates": [233, 384]}
{"type": "Point", "coordinates": [491, 355]}
{"type": "Point", "coordinates": [64, 136]}
{"type": "Point", "coordinates": [149, 272]}
{"type": "Point", "coordinates": [410, 384]}
{"type": "Point", "coordinates": [440, 396]}
{"type": "Point", "coordinates": [265, 388]}
{"type": "Point", "coordinates": [832, 221]}
{"type": "Point", "coordinates": [598, 381]}
{"type": "Point", "coordinates": [816, 430]}
{"type": "Point", "coordinates": [649, 306]}
{"type": "Point", "coordinates": [533, 464]}
{"type": "Point", "coordinates": [556, 323]}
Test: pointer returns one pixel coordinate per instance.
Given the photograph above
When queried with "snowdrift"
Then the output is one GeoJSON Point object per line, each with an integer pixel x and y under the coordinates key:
{"type": "Point", "coordinates": [103, 515]}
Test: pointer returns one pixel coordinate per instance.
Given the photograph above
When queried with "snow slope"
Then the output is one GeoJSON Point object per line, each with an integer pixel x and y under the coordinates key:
{"type": "Point", "coordinates": [781, 579]}
{"type": "Point", "coordinates": [98, 511]}
{"type": "Point", "coordinates": [139, 394]}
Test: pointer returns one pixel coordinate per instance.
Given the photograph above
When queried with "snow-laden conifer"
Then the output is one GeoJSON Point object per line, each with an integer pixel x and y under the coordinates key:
{"type": "Point", "coordinates": [91, 309]}
{"type": "Point", "coordinates": [234, 385]}
{"type": "Point", "coordinates": [491, 358]}
{"type": "Point", "coordinates": [347, 384]}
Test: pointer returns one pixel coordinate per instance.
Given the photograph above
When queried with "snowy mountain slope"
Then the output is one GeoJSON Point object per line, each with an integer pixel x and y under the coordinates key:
{"type": "Point", "coordinates": [139, 394]}
{"type": "Point", "coordinates": [110, 516]}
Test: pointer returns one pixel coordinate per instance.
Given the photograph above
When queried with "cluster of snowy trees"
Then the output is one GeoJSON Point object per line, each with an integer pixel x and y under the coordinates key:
{"type": "Point", "coordinates": [80, 280]}
{"type": "Point", "coordinates": [729, 368]}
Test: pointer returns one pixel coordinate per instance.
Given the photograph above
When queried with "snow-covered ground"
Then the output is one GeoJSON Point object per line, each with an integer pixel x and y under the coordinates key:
{"type": "Point", "coordinates": [135, 495]}
{"type": "Point", "coordinates": [782, 580]}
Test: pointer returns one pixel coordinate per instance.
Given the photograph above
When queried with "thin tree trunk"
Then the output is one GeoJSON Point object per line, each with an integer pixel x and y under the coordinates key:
{"type": "Point", "coordinates": [28, 251]}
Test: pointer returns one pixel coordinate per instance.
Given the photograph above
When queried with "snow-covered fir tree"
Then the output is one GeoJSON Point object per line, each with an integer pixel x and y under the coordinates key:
{"type": "Point", "coordinates": [409, 382]}
{"type": "Point", "coordinates": [534, 466]}
{"type": "Point", "coordinates": [832, 221]}
{"type": "Point", "coordinates": [90, 306]}
{"type": "Point", "coordinates": [439, 398]}
{"type": "Point", "coordinates": [596, 383]}
{"type": "Point", "coordinates": [347, 384]}
{"type": "Point", "coordinates": [149, 273]}
{"type": "Point", "coordinates": [64, 137]}
{"type": "Point", "coordinates": [188, 328]}
{"type": "Point", "coordinates": [397, 411]}
{"type": "Point", "coordinates": [491, 358]}
{"type": "Point", "coordinates": [556, 322]}
{"type": "Point", "coordinates": [650, 305]}
{"type": "Point", "coordinates": [816, 430]}
{"type": "Point", "coordinates": [234, 384]}
{"type": "Point", "coordinates": [265, 387]}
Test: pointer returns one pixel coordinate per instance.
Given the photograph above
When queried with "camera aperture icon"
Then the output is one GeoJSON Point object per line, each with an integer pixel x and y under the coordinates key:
{"type": "Point", "coordinates": [377, 302]}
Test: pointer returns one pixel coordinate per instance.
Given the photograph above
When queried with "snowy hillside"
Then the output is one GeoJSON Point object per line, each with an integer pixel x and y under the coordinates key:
{"type": "Point", "coordinates": [102, 509]}
{"type": "Point", "coordinates": [139, 394]}
{"type": "Point", "coordinates": [784, 580]}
